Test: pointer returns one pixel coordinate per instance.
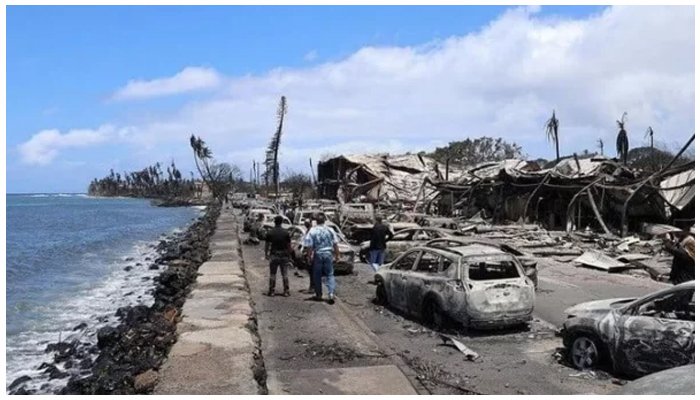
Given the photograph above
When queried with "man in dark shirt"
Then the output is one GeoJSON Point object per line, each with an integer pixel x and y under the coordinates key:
{"type": "Point", "coordinates": [377, 243]}
{"type": "Point", "coordinates": [278, 249]}
{"type": "Point", "coordinates": [683, 251]}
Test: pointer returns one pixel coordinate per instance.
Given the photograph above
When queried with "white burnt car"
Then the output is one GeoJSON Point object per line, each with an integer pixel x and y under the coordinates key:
{"type": "Point", "coordinates": [269, 223]}
{"type": "Point", "coordinates": [252, 216]}
{"type": "Point", "coordinates": [636, 336]}
{"type": "Point", "coordinates": [407, 238]}
{"type": "Point", "coordinates": [347, 253]}
{"type": "Point", "coordinates": [476, 285]}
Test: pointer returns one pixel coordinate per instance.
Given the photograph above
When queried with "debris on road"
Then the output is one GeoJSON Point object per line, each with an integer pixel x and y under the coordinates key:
{"type": "Point", "coordinates": [600, 261]}
{"type": "Point", "coordinates": [470, 354]}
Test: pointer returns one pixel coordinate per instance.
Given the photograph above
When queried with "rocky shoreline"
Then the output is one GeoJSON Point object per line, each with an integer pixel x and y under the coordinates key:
{"type": "Point", "coordinates": [125, 358]}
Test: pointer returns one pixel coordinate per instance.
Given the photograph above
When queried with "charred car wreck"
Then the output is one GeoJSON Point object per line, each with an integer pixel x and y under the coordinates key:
{"type": "Point", "coordinates": [635, 336]}
{"type": "Point", "coordinates": [475, 285]}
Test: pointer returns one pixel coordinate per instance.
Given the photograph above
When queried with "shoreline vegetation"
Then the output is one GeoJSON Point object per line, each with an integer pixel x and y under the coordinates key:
{"type": "Point", "coordinates": [124, 359]}
{"type": "Point", "coordinates": [171, 190]}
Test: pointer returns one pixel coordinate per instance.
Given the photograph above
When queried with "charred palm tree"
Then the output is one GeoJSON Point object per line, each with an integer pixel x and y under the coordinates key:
{"type": "Point", "coordinates": [650, 134]}
{"type": "Point", "coordinates": [202, 154]}
{"type": "Point", "coordinates": [551, 129]}
{"type": "Point", "coordinates": [274, 147]}
{"type": "Point", "coordinates": [623, 143]}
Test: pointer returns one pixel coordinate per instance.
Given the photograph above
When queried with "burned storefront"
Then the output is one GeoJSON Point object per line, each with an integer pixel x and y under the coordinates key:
{"type": "Point", "coordinates": [391, 181]}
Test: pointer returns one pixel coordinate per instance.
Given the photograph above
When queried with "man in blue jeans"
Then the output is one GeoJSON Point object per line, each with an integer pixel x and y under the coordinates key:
{"type": "Point", "coordinates": [377, 243]}
{"type": "Point", "coordinates": [322, 248]}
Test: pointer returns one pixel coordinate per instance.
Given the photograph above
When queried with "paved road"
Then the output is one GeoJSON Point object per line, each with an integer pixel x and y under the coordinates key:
{"type": "Point", "coordinates": [301, 335]}
{"type": "Point", "coordinates": [311, 347]}
{"type": "Point", "coordinates": [562, 285]}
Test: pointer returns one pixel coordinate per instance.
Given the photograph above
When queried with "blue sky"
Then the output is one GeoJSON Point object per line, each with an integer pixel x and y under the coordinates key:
{"type": "Point", "coordinates": [406, 77]}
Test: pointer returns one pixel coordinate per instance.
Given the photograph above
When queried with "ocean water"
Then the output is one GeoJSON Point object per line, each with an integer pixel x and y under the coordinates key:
{"type": "Point", "coordinates": [65, 263]}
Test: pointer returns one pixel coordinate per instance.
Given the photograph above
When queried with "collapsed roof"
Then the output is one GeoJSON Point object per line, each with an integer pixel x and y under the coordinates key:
{"type": "Point", "coordinates": [377, 177]}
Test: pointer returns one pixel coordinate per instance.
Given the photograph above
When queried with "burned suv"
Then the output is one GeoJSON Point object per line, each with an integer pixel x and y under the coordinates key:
{"type": "Point", "coordinates": [476, 285]}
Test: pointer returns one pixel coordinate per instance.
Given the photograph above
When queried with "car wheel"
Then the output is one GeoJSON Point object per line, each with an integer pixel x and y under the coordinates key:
{"type": "Point", "coordinates": [586, 352]}
{"type": "Point", "coordinates": [433, 316]}
{"type": "Point", "coordinates": [380, 295]}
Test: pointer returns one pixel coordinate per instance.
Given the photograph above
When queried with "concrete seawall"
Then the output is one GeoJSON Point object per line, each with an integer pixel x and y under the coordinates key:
{"type": "Point", "coordinates": [218, 349]}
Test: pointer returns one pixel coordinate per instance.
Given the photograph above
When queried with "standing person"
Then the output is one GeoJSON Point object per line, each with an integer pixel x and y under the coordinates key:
{"type": "Point", "coordinates": [377, 243]}
{"type": "Point", "coordinates": [306, 244]}
{"type": "Point", "coordinates": [323, 245]}
{"type": "Point", "coordinates": [278, 249]}
{"type": "Point", "coordinates": [683, 251]}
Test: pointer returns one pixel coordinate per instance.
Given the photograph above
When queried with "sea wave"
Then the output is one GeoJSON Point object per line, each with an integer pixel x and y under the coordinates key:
{"type": "Point", "coordinates": [95, 306]}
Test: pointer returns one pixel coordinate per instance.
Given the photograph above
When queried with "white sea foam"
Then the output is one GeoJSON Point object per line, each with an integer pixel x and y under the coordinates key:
{"type": "Point", "coordinates": [25, 351]}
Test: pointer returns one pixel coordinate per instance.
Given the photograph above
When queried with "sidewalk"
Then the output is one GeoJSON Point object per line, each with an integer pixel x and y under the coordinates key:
{"type": "Point", "coordinates": [215, 350]}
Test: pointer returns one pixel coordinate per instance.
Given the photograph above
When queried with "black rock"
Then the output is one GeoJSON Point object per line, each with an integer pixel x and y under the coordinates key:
{"type": "Point", "coordinates": [153, 266]}
{"type": "Point", "coordinates": [85, 364]}
{"type": "Point", "coordinates": [60, 347]}
{"type": "Point", "coordinates": [129, 259]}
{"type": "Point", "coordinates": [80, 326]}
{"type": "Point", "coordinates": [19, 381]}
{"type": "Point", "coordinates": [58, 374]}
{"type": "Point", "coordinates": [22, 391]}
{"type": "Point", "coordinates": [128, 268]}
{"type": "Point", "coordinates": [107, 337]}
{"type": "Point", "coordinates": [45, 366]}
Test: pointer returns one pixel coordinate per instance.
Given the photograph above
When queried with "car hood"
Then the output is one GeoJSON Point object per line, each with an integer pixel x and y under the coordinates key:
{"type": "Point", "coordinates": [597, 307]}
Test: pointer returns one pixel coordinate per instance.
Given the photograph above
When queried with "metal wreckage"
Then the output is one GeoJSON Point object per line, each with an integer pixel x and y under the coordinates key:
{"type": "Point", "coordinates": [594, 212]}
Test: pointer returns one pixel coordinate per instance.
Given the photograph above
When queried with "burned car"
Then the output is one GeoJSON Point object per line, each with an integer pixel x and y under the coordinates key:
{"type": "Point", "coordinates": [635, 337]}
{"type": "Point", "coordinates": [252, 216]}
{"type": "Point", "coordinates": [405, 239]}
{"type": "Point", "coordinates": [528, 262]}
{"type": "Point", "coordinates": [347, 254]}
{"type": "Point", "coordinates": [475, 285]}
{"type": "Point", "coordinates": [269, 223]}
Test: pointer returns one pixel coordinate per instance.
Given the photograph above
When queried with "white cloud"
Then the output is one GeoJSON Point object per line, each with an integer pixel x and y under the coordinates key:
{"type": "Point", "coordinates": [44, 146]}
{"type": "Point", "coordinates": [503, 80]}
{"type": "Point", "coordinates": [311, 56]}
{"type": "Point", "coordinates": [188, 80]}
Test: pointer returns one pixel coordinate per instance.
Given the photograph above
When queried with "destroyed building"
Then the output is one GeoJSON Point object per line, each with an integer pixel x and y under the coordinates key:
{"type": "Point", "coordinates": [376, 178]}
{"type": "Point", "coordinates": [574, 194]}
{"type": "Point", "coordinates": [595, 193]}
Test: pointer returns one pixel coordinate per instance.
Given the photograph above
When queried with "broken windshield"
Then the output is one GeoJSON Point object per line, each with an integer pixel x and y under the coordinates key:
{"type": "Point", "coordinates": [489, 268]}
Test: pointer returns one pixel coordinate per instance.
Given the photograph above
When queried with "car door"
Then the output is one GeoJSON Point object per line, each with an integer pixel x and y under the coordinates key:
{"type": "Point", "coordinates": [657, 334]}
{"type": "Point", "coordinates": [420, 280]}
{"type": "Point", "coordinates": [396, 279]}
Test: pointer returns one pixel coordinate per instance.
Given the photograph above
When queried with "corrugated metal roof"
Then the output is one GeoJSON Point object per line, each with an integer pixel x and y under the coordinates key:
{"type": "Point", "coordinates": [681, 197]}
